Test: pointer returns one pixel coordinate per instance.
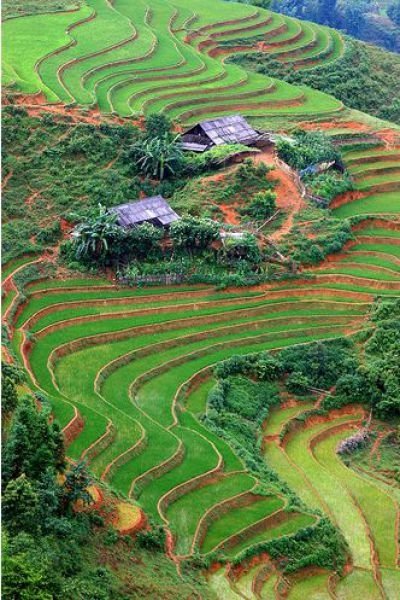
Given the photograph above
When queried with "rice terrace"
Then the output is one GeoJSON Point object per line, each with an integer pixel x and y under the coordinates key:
{"type": "Point", "coordinates": [200, 305]}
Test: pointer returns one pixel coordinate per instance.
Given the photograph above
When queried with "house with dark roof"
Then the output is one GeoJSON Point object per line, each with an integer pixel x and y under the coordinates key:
{"type": "Point", "coordinates": [224, 130]}
{"type": "Point", "coordinates": [155, 210]}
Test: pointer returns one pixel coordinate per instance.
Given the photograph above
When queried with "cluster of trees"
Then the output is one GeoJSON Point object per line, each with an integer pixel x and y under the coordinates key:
{"type": "Point", "coordinates": [328, 185]}
{"type": "Point", "coordinates": [43, 538]}
{"type": "Point", "coordinates": [247, 387]}
{"type": "Point", "coordinates": [99, 240]}
{"type": "Point", "coordinates": [376, 380]}
{"type": "Point", "coordinates": [362, 19]}
{"type": "Point", "coordinates": [307, 148]}
{"type": "Point", "coordinates": [332, 236]}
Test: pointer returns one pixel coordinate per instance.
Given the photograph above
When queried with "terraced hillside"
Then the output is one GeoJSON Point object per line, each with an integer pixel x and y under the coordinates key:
{"type": "Point", "coordinates": [128, 373]}
{"type": "Point", "coordinates": [168, 56]}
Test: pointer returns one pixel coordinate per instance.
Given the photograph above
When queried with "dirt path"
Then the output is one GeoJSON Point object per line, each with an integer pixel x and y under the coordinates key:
{"type": "Point", "coordinates": [37, 104]}
{"type": "Point", "coordinates": [229, 211]}
{"type": "Point", "coordinates": [288, 197]}
{"type": "Point", "coordinates": [329, 125]}
{"type": "Point", "coordinates": [31, 199]}
{"type": "Point", "coordinates": [6, 179]}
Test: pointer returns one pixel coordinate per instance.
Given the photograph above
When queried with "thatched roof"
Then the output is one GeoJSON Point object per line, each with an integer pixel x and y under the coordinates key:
{"type": "Point", "coordinates": [153, 210]}
{"type": "Point", "coordinates": [228, 130]}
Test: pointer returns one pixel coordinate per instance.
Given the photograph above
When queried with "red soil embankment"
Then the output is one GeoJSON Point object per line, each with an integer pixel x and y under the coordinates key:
{"type": "Point", "coordinates": [346, 198]}
{"type": "Point", "coordinates": [288, 197]}
{"type": "Point", "coordinates": [36, 105]}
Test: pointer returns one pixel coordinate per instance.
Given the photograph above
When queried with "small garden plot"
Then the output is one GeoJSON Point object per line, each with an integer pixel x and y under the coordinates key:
{"type": "Point", "coordinates": [375, 204]}
{"type": "Point", "coordinates": [129, 517]}
{"type": "Point", "coordinates": [200, 458]}
{"type": "Point", "coordinates": [338, 501]}
{"type": "Point", "coordinates": [378, 509]}
{"type": "Point", "coordinates": [313, 587]}
{"type": "Point", "coordinates": [237, 519]}
{"type": "Point", "coordinates": [186, 512]}
{"type": "Point", "coordinates": [358, 584]}
{"type": "Point", "coordinates": [291, 525]}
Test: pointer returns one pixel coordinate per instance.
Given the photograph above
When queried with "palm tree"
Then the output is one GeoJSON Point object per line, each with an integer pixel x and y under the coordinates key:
{"type": "Point", "coordinates": [93, 236]}
{"type": "Point", "coordinates": [159, 156]}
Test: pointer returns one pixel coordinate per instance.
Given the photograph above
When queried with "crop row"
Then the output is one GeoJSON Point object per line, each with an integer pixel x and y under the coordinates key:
{"type": "Point", "coordinates": [167, 57]}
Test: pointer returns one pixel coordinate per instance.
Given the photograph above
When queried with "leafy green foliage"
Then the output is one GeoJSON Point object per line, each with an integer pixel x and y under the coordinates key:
{"type": "Point", "coordinates": [375, 380]}
{"type": "Point", "coordinates": [157, 151]}
{"type": "Point", "coordinates": [19, 504]}
{"type": "Point", "coordinates": [262, 206]}
{"type": "Point", "coordinates": [328, 185]}
{"type": "Point", "coordinates": [243, 249]}
{"type": "Point", "coordinates": [328, 236]}
{"type": "Point", "coordinates": [197, 163]}
{"type": "Point", "coordinates": [57, 168]}
{"type": "Point", "coordinates": [94, 237]}
{"type": "Point", "coordinates": [193, 235]}
{"type": "Point", "coordinates": [363, 19]}
{"type": "Point", "coordinates": [11, 376]}
{"type": "Point", "coordinates": [9, 397]}
{"type": "Point", "coordinates": [33, 444]}
{"type": "Point", "coordinates": [321, 545]}
{"type": "Point", "coordinates": [158, 157]}
{"type": "Point", "coordinates": [307, 148]}
{"type": "Point", "coordinates": [320, 363]}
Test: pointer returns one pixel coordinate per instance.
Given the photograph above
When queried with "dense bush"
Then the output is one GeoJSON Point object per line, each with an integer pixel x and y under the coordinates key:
{"type": "Point", "coordinates": [307, 148]}
{"type": "Point", "coordinates": [376, 379]}
{"type": "Point", "coordinates": [364, 19]}
{"type": "Point", "coordinates": [328, 185]}
{"type": "Point", "coordinates": [193, 235]}
{"type": "Point", "coordinates": [261, 207]}
{"type": "Point", "coordinates": [322, 545]}
{"type": "Point", "coordinates": [328, 237]}
{"type": "Point", "coordinates": [321, 363]}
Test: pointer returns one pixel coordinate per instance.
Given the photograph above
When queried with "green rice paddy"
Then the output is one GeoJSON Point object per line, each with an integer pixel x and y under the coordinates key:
{"type": "Point", "coordinates": [131, 60]}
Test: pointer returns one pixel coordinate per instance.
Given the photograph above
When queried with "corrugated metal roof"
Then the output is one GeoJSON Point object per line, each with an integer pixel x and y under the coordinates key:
{"type": "Point", "coordinates": [229, 130]}
{"type": "Point", "coordinates": [148, 209]}
{"type": "Point", "coordinates": [193, 146]}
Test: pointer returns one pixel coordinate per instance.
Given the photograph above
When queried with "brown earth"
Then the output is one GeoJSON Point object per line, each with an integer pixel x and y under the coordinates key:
{"type": "Point", "coordinates": [288, 197]}
{"type": "Point", "coordinates": [36, 105]}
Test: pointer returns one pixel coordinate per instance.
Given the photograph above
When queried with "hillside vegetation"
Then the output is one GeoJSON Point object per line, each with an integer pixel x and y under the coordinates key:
{"type": "Point", "coordinates": [212, 410]}
{"type": "Point", "coordinates": [365, 77]}
{"type": "Point", "coordinates": [374, 22]}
